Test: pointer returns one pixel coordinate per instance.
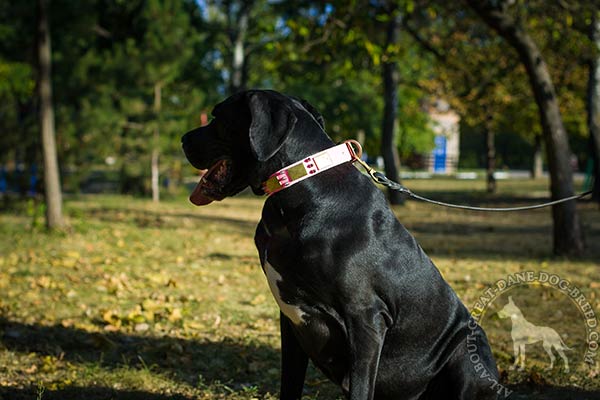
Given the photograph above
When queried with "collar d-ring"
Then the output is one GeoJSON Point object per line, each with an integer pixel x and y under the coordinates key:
{"type": "Point", "coordinates": [354, 147]}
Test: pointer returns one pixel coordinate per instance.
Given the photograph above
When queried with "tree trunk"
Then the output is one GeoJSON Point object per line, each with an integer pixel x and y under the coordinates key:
{"type": "Point", "coordinates": [537, 169]}
{"type": "Point", "coordinates": [54, 217]}
{"type": "Point", "coordinates": [239, 73]}
{"type": "Point", "coordinates": [155, 174]}
{"type": "Point", "coordinates": [593, 104]}
{"type": "Point", "coordinates": [568, 237]}
{"type": "Point", "coordinates": [490, 144]}
{"type": "Point", "coordinates": [155, 143]}
{"type": "Point", "coordinates": [389, 149]}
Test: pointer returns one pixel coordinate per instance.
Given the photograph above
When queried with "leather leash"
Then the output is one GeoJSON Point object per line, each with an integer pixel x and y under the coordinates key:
{"type": "Point", "coordinates": [381, 179]}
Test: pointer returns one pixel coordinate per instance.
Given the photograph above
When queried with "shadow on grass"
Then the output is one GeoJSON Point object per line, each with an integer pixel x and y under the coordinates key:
{"type": "Point", "coordinates": [186, 360]}
{"type": "Point", "coordinates": [154, 219]}
{"type": "Point", "coordinates": [77, 393]}
{"type": "Point", "coordinates": [237, 365]}
{"type": "Point", "coordinates": [531, 392]}
{"type": "Point", "coordinates": [477, 241]}
{"type": "Point", "coordinates": [525, 239]}
{"type": "Point", "coordinates": [521, 236]}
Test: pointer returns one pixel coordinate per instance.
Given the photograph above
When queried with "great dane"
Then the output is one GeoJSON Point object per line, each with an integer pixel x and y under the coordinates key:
{"type": "Point", "coordinates": [358, 295]}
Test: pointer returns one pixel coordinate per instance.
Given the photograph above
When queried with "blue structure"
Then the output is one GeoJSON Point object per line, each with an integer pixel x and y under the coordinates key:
{"type": "Point", "coordinates": [32, 180]}
{"type": "Point", "coordinates": [439, 154]}
{"type": "Point", "coordinates": [3, 182]}
{"type": "Point", "coordinates": [445, 124]}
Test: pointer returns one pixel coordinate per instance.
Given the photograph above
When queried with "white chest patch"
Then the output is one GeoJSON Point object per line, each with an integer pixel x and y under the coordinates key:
{"type": "Point", "coordinates": [294, 313]}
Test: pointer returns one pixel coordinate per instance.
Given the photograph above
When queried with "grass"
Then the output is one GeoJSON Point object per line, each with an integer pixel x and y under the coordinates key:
{"type": "Point", "coordinates": [144, 301]}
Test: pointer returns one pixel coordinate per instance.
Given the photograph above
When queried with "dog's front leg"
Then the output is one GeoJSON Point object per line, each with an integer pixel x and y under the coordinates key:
{"type": "Point", "coordinates": [366, 340]}
{"type": "Point", "coordinates": [293, 362]}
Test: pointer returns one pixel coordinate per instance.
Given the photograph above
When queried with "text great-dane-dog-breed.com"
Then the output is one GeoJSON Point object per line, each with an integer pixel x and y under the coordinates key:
{"type": "Point", "coordinates": [358, 296]}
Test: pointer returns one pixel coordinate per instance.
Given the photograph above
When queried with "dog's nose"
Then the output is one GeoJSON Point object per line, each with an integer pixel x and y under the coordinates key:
{"type": "Point", "coordinates": [189, 141]}
{"type": "Point", "coordinates": [187, 144]}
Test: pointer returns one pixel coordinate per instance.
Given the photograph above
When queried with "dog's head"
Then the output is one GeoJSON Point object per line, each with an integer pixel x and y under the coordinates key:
{"type": "Point", "coordinates": [239, 147]}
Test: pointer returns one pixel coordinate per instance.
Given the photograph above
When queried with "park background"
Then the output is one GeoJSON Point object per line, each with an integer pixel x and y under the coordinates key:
{"type": "Point", "coordinates": [113, 286]}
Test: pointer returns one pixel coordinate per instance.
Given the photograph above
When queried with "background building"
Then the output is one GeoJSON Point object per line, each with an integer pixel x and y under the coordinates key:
{"type": "Point", "coordinates": [445, 123]}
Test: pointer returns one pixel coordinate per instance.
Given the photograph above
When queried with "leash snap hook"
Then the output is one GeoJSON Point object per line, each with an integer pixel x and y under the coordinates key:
{"type": "Point", "coordinates": [377, 177]}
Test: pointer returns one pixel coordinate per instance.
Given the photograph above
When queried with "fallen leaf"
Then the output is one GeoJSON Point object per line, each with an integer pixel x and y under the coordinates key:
{"type": "Point", "coordinates": [111, 328]}
{"type": "Point", "coordinates": [143, 327]}
{"type": "Point", "coordinates": [175, 315]}
{"type": "Point", "coordinates": [31, 370]}
{"type": "Point", "coordinates": [258, 300]}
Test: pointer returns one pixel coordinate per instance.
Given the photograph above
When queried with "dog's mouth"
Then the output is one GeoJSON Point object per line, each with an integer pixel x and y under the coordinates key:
{"type": "Point", "coordinates": [212, 182]}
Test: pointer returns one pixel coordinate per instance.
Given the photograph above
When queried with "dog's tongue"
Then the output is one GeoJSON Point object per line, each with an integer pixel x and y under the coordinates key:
{"type": "Point", "coordinates": [211, 183]}
{"type": "Point", "coordinates": [197, 197]}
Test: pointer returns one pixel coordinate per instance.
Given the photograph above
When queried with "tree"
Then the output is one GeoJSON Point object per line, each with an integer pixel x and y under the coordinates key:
{"type": "Point", "coordinates": [20, 135]}
{"type": "Point", "coordinates": [593, 99]}
{"type": "Point", "coordinates": [390, 77]}
{"type": "Point", "coordinates": [165, 49]}
{"type": "Point", "coordinates": [329, 67]}
{"type": "Point", "coordinates": [360, 50]}
{"type": "Point", "coordinates": [54, 217]}
{"type": "Point", "coordinates": [147, 103]}
{"type": "Point", "coordinates": [241, 31]}
{"type": "Point", "coordinates": [475, 74]}
{"type": "Point", "coordinates": [568, 237]}
{"type": "Point", "coordinates": [110, 58]}
{"type": "Point", "coordinates": [237, 21]}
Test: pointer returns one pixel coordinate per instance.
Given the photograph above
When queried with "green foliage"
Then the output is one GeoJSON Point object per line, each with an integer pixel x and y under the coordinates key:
{"type": "Point", "coordinates": [336, 49]}
{"type": "Point", "coordinates": [35, 211]}
{"type": "Point", "coordinates": [119, 102]}
{"type": "Point", "coordinates": [480, 74]}
{"type": "Point", "coordinates": [16, 86]}
{"type": "Point", "coordinates": [17, 79]}
{"type": "Point", "coordinates": [109, 56]}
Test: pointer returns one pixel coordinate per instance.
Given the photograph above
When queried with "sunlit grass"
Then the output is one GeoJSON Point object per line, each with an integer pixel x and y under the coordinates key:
{"type": "Point", "coordinates": [137, 300]}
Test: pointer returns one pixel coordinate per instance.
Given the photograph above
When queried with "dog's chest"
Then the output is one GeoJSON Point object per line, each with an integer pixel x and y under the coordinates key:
{"type": "Point", "coordinates": [275, 280]}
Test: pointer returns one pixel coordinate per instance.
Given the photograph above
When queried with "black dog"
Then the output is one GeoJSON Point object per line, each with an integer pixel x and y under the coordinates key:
{"type": "Point", "coordinates": [358, 296]}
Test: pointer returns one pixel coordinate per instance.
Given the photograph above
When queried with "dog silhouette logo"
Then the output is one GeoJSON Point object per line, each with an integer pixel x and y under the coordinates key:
{"type": "Point", "coordinates": [524, 332]}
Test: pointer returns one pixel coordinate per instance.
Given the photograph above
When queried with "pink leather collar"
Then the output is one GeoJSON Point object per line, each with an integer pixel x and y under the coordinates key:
{"type": "Point", "coordinates": [311, 166]}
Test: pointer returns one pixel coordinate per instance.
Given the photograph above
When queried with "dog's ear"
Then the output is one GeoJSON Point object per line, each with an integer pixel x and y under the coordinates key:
{"type": "Point", "coordinates": [272, 122]}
